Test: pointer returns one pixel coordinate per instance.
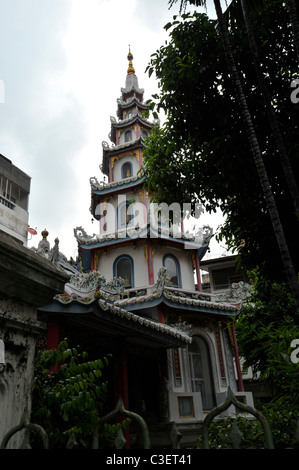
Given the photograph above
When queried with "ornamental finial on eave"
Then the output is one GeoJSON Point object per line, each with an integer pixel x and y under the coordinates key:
{"type": "Point", "coordinates": [130, 58]}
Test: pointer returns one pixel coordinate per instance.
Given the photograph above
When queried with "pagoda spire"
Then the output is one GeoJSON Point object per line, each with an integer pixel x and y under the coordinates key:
{"type": "Point", "coordinates": [131, 69]}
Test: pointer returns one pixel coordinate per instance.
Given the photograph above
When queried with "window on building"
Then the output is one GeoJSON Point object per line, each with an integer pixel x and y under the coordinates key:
{"type": "Point", "coordinates": [124, 215]}
{"type": "Point", "coordinates": [124, 267]}
{"type": "Point", "coordinates": [126, 170]}
{"type": "Point", "coordinates": [201, 373]}
{"type": "Point", "coordinates": [223, 278]}
{"type": "Point", "coordinates": [172, 266]}
{"type": "Point", "coordinates": [128, 136]}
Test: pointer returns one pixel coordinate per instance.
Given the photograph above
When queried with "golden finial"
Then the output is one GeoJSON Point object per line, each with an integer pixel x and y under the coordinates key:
{"type": "Point", "coordinates": [130, 58]}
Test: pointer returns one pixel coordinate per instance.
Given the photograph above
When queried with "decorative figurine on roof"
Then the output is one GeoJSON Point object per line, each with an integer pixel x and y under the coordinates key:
{"type": "Point", "coordinates": [161, 281]}
{"type": "Point", "coordinates": [54, 255]}
{"type": "Point", "coordinates": [237, 293]}
{"type": "Point", "coordinates": [44, 245]}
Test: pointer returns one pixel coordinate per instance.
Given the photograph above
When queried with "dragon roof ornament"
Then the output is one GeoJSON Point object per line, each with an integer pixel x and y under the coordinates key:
{"type": "Point", "coordinates": [195, 241]}
{"type": "Point", "coordinates": [100, 186]}
{"type": "Point", "coordinates": [237, 293]}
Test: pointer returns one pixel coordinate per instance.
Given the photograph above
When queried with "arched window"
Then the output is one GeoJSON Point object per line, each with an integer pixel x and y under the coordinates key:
{"type": "Point", "coordinates": [201, 372]}
{"type": "Point", "coordinates": [128, 136]}
{"type": "Point", "coordinates": [124, 215]}
{"type": "Point", "coordinates": [143, 134]}
{"type": "Point", "coordinates": [126, 170]}
{"type": "Point", "coordinates": [124, 267]}
{"type": "Point", "coordinates": [172, 266]}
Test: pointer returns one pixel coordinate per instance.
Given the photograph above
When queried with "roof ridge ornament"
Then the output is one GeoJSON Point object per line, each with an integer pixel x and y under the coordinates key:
{"type": "Point", "coordinates": [131, 69]}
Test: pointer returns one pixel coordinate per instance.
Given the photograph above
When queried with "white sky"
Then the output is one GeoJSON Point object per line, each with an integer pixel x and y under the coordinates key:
{"type": "Point", "coordinates": [62, 64]}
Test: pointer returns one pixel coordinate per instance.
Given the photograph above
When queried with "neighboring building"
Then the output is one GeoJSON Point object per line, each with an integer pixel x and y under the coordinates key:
{"type": "Point", "coordinates": [27, 280]}
{"type": "Point", "coordinates": [218, 274]}
{"type": "Point", "coordinates": [14, 198]}
{"type": "Point", "coordinates": [173, 345]}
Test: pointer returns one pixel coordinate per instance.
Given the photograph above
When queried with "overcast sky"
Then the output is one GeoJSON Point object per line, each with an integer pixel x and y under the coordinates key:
{"type": "Point", "coordinates": [62, 64]}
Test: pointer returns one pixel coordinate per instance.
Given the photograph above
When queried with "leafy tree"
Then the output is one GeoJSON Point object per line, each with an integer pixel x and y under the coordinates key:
{"type": "Point", "coordinates": [201, 152]}
{"type": "Point", "coordinates": [266, 326]}
{"type": "Point", "coordinates": [282, 422]}
{"type": "Point", "coordinates": [69, 396]}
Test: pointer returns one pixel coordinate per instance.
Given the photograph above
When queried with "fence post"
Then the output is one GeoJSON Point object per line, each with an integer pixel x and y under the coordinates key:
{"type": "Point", "coordinates": [129, 414]}
{"type": "Point", "coordinates": [232, 400]}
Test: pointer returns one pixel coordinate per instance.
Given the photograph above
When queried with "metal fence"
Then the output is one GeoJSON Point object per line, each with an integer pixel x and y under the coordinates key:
{"type": "Point", "coordinates": [120, 441]}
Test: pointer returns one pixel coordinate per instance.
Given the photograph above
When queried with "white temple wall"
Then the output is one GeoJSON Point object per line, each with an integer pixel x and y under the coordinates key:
{"type": "Point", "coordinates": [122, 138]}
{"type": "Point", "coordinates": [118, 163]}
{"type": "Point", "coordinates": [185, 263]}
{"type": "Point", "coordinates": [180, 388]}
{"type": "Point", "coordinates": [113, 207]}
{"type": "Point", "coordinates": [106, 261]}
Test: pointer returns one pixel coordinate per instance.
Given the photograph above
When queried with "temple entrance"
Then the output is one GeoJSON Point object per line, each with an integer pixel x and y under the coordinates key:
{"type": "Point", "coordinates": [143, 384]}
{"type": "Point", "coordinates": [201, 373]}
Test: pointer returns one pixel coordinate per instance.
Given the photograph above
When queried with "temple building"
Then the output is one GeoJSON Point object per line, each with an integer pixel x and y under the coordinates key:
{"type": "Point", "coordinates": [138, 294]}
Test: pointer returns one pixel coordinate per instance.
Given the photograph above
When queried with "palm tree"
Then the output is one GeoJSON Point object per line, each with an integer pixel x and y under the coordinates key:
{"type": "Point", "coordinates": [276, 133]}
{"type": "Point", "coordinates": [255, 148]}
{"type": "Point", "coordinates": [295, 23]}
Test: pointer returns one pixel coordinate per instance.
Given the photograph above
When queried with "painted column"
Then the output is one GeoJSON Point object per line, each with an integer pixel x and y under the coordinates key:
{"type": "Point", "coordinates": [237, 358]}
{"type": "Point", "coordinates": [110, 170]}
{"type": "Point", "coordinates": [121, 388]}
{"type": "Point", "coordinates": [150, 263]}
{"type": "Point", "coordinates": [121, 384]}
{"type": "Point", "coordinates": [197, 269]}
{"type": "Point", "coordinates": [54, 335]}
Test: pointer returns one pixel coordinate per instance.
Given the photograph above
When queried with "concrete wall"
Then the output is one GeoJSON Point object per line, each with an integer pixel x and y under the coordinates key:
{"type": "Point", "coordinates": [27, 280]}
{"type": "Point", "coordinates": [14, 221]}
{"type": "Point", "coordinates": [18, 331]}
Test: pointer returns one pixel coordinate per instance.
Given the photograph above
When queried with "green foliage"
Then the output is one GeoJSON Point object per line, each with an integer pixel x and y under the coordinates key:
{"type": "Point", "coordinates": [201, 154]}
{"type": "Point", "coordinates": [69, 395]}
{"type": "Point", "coordinates": [281, 416]}
{"type": "Point", "coordinates": [265, 327]}
{"type": "Point", "coordinates": [220, 430]}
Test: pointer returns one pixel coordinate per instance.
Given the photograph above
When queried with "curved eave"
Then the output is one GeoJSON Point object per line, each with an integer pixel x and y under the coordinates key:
{"type": "Point", "coordinates": [119, 149]}
{"type": "Point", "coordinates": [122, 105]}
{"type": "Point", "coordinates": [142, 234]}
{"type": "Point", "coordinates": [119, 185]}
{"type": "Point", "coordinates": [115, 126]}
{"type": "Point", "coordinates": [126, 92]}
{"type": "Point", "coordinates": [224, 310]}
{"type": "Point", "coordinates": [115, 322]}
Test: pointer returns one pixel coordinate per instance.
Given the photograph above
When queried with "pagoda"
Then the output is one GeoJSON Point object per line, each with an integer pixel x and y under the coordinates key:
{"type": "Point", "coordinates": [139, 290]}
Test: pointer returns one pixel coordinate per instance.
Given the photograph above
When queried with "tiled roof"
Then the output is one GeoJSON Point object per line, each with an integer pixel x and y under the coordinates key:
{"type": "Point", "coordinates": [114, 309]}
{"type": "Point", "coordinates": [177, 297]}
